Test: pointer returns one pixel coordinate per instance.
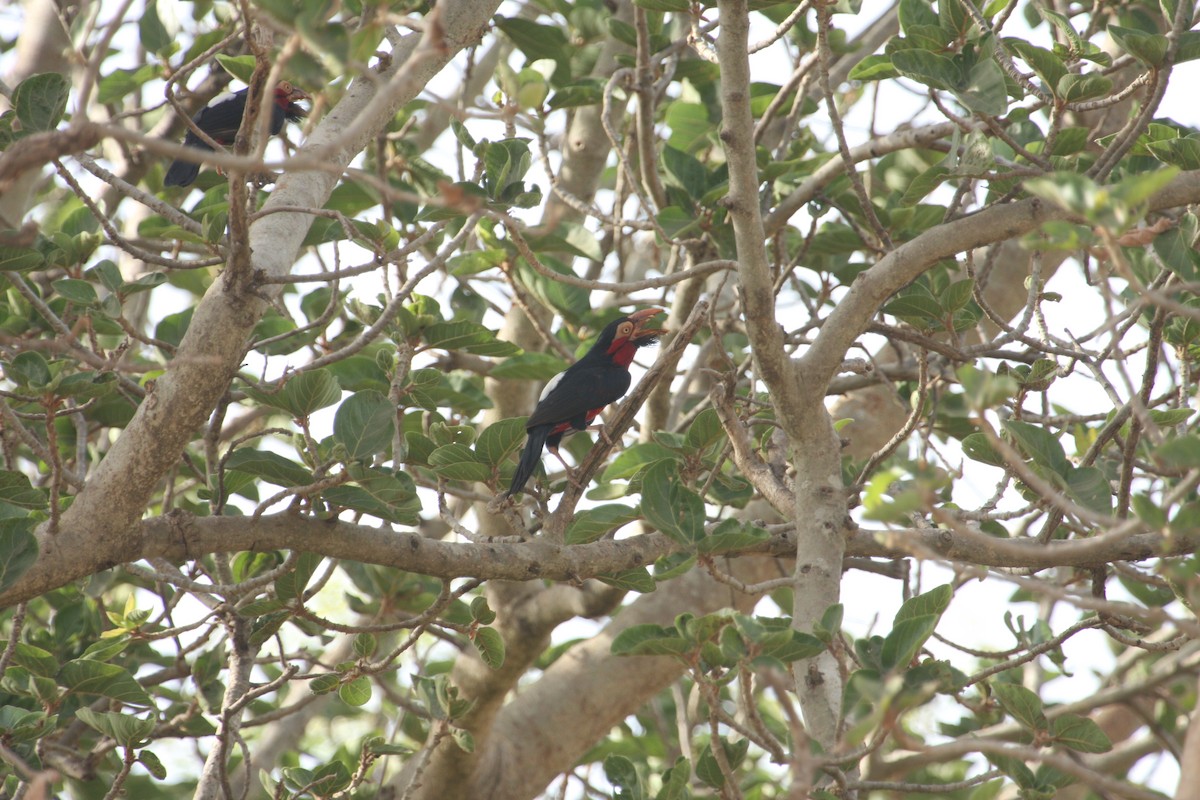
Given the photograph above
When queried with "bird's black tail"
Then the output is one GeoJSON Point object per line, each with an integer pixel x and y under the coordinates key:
{"type": "Point", "coordinates": [181, 173]}
{"type": "Point", "coordinates": [530, 456]}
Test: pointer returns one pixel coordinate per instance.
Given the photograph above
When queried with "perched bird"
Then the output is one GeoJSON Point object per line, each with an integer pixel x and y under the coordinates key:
{"type": "Point", "coordinates": [221, 119]}
{"type": "Point", "coordinates": [574, 397]}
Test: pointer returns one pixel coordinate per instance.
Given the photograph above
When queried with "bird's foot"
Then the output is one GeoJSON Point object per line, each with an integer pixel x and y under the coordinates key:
{"type": "Point", "coordinates": [602, 432]}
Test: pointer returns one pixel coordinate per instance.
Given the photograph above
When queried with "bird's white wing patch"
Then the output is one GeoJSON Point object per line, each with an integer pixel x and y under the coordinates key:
{"type": "Point", "coordinates": [221, 98]}
{"type": "Point", "coordinates": [550, 384]}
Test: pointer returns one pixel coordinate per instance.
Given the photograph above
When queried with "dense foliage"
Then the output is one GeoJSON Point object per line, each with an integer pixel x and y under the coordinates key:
{"type": "Point", "coordinates": [904, 505]}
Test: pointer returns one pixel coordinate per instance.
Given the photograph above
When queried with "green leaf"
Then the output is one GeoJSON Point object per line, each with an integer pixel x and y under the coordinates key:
{"type": "Point", "coordinates": [1089, 487]}
{"type": "Point", "coordinates": [907, 637]}
{"type": "Point", "coordinates": [529, 367]}
{"type": "Point", "coordinates": [358, 373]}
{"type": "Point", "coordinates": [704, 431]}
{"type": "Point", "coordinates": [334, 776]}
{"type": "Point", "coordinates": [1038, 444]}
{"type": "Point", "coordinates": [324, 684]}
{"type": "Point", "coordinates": [490, 646]}
{"type": "Point", "coordinates": [119, 83]}
{"type": "Point", "coordinates": [476, 261]}
{"type": "Point", "coordinates": [16, 490]}
{"type": "Point", "coordinates": [935, 602]}
{"type": "Point", "coordinates": [1139, 187]}
{"type": "Point", "coordinates": [874, 68]}
{"type": "Point", "coordinates": [1014, 768]}
{"type": "Point", "coordinates": [153, 33]}
{"type": "Point", "coordinates": [920, 186]}
{"type": "Point", "coordinates": [35, 659]}
{"type": "Point", "coordinates": [536, 41]}
{"type": "Point", "coordinates": [671, 507]}
{"type": "Point", "coordinates": [388, 495]}
{"type": "Point", "coordinates": [732, 535]}
{"type": "Point", "coordinates": [270, 467]}
{"type": "Point", "coordinates": [985, 90]}
{"type": "Point", "coordinates": [587, 93]}
{"type": "Point", "coordinates": [457, 462]}
{"type": "Point", "coordinates": [356, 692]}
{"type": "Point", "coordinates": [623, 776]}
{"type": "Point", "coordinates": [830, 623]}
{"type": "Point", "coordinates": [1048, 66]}
{"type": "Point", "coordinates": [915, 14]}
{"type": "Point", "coordinates": [1024, 705]}
{"type": "Point", "coordinates": [1074, 88]}
{"type": "Point", "coordinates": [931, 69]}
{"type": "Point", "coordinates": [84, 676]}
{"type": "Point", "coordinates": [1182, 452]}
{"type": "Point", "coordinates": [41, 101]}
{"type": "Point", "coordinates": [291, 584]}
{"type": "Point", "coordinates": [469, 336]}
{"type": "Point", "coordinates": [481, 612]}
{"type": "Point", "coordinates": [636, 579]}
{"type": "Point", "coordinates": [499, 439]}
{"type": "Point", "coordinates": [126, 730]}
{"type": "Point", "coordinates": [918, 309]}
{"type": "Point", "coordinates": [675, 781]}
{"type": "Point", "coordinates": [19, 259]}
{"type": "Point", "coordinates": [594, 523]}
{"type": "Point", "coordinates": [1148, 48]}
{"type": "Point", "coordinates": [364, 424]}
{"type": "Point", "coordinates": [77, 291]}
{"type": "Point", "coordinates": [685, 172]}
{"type": "Point", "coordinates": [707, 768]}
{"type": "Point", "coordinates": [572, 301]}
{"type": "Point", "coordinates": [649, 640]}
{"type": "Point", "coordinates": [239, 67]}
{"type": "Point", "coordinates": [798, 647]}
{"type": "Point", "coordinates": [365, 645]}
{"type": "Point", "coordinates": [31, 369]}
{"type": "Point", "coordinates": [302, 394]}
{"type": "Point", "coordinates": [978, 447]}
{"type": "Point", "coordinates": [1080, 734]}
{"type": "Point", "coordinates": [957, 294]}
{"type": "Point", "coordinates": [152, 764]}
{"type": "Point", "coordinates": [630, 460]}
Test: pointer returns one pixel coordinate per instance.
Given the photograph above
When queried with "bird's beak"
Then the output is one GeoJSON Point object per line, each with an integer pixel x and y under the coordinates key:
{"type": "Point", "coordinates": [642, 317]}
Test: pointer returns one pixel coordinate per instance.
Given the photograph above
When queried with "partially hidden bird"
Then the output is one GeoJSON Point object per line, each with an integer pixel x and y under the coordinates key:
{"type": "Point", "coordinates": [577, 395]}
{"type": "Point", "coordinates": [222, 117]}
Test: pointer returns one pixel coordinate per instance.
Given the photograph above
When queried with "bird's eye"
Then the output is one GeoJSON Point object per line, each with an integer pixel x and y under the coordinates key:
{"type": "Point", "coordinates": [625, 329]}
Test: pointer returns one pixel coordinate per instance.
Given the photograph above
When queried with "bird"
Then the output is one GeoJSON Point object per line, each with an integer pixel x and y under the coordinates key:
{"type": "Point", "coordinates": [577, 395]}
{"type": "Point", "coordinates": [222, 117]}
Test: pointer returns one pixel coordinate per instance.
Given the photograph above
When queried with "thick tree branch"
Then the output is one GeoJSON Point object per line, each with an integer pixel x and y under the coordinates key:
{"type": "Point", "coordinates": [545, 730]}
{"type": "Point", "coordinates": [96, 531]}
{"type": "Point", "coordinates": [903, 265]}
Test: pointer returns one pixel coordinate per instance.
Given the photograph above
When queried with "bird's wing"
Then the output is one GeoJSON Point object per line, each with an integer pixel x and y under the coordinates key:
{"type": "Point", "coordinates": [221, 118]}
{"type": "Point", "coordinates": [578, 392]}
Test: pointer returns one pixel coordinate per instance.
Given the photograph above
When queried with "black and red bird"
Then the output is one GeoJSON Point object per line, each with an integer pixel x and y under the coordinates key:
{"type": "Point", "coordinates": [576, 396]}
{"type": "Point", "coordinates": [221, 119]}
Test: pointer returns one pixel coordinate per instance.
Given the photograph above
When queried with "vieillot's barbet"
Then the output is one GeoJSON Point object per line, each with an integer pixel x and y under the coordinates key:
{"type": "Point", "coordinates": [576, 396]}
{"type": "Point", "coordinates": [221, 119]}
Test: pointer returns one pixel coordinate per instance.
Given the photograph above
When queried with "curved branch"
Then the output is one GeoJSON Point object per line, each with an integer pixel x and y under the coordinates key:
{"type": "Point", "coordinates": [903, 265]}
{"type": "Point", "coordinates": [98, 530]}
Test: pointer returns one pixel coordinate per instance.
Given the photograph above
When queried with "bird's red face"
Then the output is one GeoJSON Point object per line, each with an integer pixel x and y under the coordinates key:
{"type": "Point", "coordinates": [632, 333]}
{"type": "Point", "coordinates": [286, 96]}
